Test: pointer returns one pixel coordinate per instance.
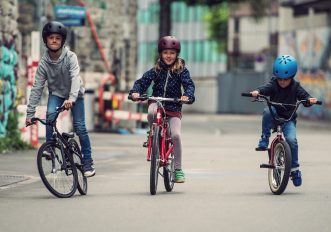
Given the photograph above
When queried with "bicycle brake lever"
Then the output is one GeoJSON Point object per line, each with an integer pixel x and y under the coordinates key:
{"type": "Point", "coordinates": [258, 100]}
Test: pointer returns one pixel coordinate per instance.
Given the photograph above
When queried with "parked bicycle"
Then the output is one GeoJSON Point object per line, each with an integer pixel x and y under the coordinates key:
{"type": "Point", "coordinates": [160, 146]}
{"type": "Point", "coordinates": [59, 162]}
{"type": "Point", "coordinates": [279, 151]}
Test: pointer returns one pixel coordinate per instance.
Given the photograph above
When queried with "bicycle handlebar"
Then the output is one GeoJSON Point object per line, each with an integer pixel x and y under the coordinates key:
{"type": "Point", "coordinates": [271, 103]}
{"type": "Point", "coordinates": [158, 99]}
{"type": "Point", "coordinates": [276, 103]}
{"type": "Point", "coordinates": [43, 121]}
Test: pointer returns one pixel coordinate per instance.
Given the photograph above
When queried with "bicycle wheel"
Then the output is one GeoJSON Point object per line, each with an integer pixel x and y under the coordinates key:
{"type": "Point", "coordinates": [155, 161]}
{"type": "Point", "coordinates": [78, 159]}
{"type": "Point", "coordinates": [279, 176]}
{"type": "Point", "coordinates": [169, 172]}
{"type": "Point", "coordinates": [58, 175]}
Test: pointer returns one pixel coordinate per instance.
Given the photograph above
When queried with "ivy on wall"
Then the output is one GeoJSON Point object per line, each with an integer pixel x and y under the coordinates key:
{"type": "Point", "coordinates": [9, 133]}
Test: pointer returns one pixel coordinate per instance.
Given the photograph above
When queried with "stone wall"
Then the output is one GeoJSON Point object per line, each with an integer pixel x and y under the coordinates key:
{"type": "Point", "coordinates": [115, 23]}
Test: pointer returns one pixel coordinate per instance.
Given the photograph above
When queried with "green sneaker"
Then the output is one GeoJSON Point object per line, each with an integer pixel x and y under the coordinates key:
{"type": "Point", "coordinates": [179, 176]}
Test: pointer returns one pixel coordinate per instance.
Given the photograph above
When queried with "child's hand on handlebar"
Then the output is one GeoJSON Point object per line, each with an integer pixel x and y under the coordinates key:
{"type": "Point", "coordinates": [28, 122]}
{"type": "Point", "coordinates": [135, 96]}
{"type": "Point", "coordinates": [68, 104]}
{"type": "Point", "coordinates": [312, 100]}
{"type": "Point", "coordinates": [184, 99]}
{"type": "Point", "coordinates": [254, 93]}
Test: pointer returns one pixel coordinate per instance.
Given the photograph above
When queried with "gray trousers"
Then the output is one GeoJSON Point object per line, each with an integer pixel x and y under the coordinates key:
{"type": "Point", "coordinates": [175, 127]}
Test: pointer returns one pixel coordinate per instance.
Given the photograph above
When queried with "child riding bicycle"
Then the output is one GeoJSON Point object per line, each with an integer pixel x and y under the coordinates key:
{"type": "Point", "coordinates": [283, 88]}
{"type": "Point", "coordinates": [59, 67]}
{"type": "Point", "coordinates": [169, 74]}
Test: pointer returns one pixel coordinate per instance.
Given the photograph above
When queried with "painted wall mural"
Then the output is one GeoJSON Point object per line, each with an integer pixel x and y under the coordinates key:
{"type": "Point", "coordinates": [312, 48]}
{"type": "Point", "coordinates": [8, 91]}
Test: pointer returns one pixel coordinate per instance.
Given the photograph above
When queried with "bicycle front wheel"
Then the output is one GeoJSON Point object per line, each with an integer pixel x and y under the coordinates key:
{"type": "Point", "coordinates": [78, 159]}
{"type": "Point", "coordinates": [57, 171]}
{"type": "Point", "coordinates": [279, 176]}
{"type": "Point", "coordinates": [155, 161]}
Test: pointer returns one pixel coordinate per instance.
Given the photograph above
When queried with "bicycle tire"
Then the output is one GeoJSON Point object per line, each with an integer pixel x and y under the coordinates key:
{"type": "Point", "coordinates": [155, 161]}
{"type": "Point", "coordinates": [78, 159]}
{"type": "Point", "coordinates": [279, 176]}
{"type": "Point", "coordinates": [52, 173]}
{"type": "Point", "coordinates": [169, 172]}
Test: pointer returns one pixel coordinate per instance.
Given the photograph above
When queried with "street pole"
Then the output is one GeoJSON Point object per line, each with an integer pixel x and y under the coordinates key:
{"type": "Point", "coordinates": [268, 55]}
{"type": "Point", "coordinates": [42, 12]}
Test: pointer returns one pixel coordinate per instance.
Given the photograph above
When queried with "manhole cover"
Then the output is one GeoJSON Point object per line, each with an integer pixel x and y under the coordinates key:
{"type": "Point", "coordinates": [11, 179]}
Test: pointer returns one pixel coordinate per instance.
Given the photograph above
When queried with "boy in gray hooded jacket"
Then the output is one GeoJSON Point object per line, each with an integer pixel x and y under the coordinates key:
{"type": "Point", "coordinates": [59, 67]}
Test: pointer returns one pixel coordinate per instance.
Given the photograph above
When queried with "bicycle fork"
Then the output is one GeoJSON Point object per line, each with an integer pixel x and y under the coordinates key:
{"type": "Point", "coordinates": [271, 149]}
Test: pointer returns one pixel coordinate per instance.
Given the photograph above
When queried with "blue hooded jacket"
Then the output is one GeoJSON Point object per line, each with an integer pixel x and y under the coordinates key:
{"type": "Point", "coordinates": [166, 84]}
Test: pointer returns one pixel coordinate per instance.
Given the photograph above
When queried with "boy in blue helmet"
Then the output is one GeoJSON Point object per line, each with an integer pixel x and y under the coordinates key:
{"type": "Point", "coordinates": [283, 88]}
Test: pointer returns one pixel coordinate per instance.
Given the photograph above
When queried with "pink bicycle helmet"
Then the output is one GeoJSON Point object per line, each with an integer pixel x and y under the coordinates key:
{"type": "Point", "coordinates": [169, 42]}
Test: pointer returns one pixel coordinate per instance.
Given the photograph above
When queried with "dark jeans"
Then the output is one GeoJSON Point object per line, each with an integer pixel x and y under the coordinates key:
{"type": "Point", "coordinates": [78, 115]}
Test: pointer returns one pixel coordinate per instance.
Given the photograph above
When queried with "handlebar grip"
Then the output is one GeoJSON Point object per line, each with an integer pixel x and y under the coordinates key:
{"type": "Point", "coordinates": [319, 103]}
{"type": "Point", "coordinates": [130, 97]}
{"type": "Point", "coordinates": [246, 95]}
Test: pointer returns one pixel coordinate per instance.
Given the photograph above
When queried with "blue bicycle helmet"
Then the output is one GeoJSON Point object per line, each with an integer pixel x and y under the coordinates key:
{"type": "Point", "coordinates": [285, 66]}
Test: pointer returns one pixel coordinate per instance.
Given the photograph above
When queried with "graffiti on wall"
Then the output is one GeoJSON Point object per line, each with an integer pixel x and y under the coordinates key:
{"type": "Point", "coordinates": [8, 91]}
{"type": "Point", "coordinates": [313, 51]}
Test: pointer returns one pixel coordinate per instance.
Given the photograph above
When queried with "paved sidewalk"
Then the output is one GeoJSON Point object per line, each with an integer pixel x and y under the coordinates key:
{"type": "Point", "coordinates": [20, 166]}
{"type": "Point", "coordinates": [16, 167]}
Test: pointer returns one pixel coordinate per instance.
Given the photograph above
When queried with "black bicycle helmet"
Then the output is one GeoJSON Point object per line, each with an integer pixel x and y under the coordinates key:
{"type": "Point", "coordinates": [54, 27]}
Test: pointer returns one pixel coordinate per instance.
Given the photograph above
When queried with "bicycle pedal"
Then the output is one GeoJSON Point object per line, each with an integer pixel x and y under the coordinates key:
{"type": "Point", "coordinates": [267, 166]}
{"type": "Point", "coordinates": [261, 149]}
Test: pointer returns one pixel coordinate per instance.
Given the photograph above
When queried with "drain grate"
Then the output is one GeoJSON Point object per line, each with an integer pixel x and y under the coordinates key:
{"type": "Point", "coordinates": [11, 179]}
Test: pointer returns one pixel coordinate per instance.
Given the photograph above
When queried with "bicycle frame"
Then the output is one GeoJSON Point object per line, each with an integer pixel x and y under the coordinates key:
{"type": "Point", "coordinates": [161, 121]}
{"type": "Point", "coordinates": [279, 137]}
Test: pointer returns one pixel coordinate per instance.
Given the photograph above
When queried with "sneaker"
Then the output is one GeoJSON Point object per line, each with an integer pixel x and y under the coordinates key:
{"type": "Point", "coordinates": [88, 168]}
{"type": "Point", "coordinates": [179, 176]}
{"type": "Point", "coordinates": [47, 154]}
{"type": "Point", "coordinates": [296, 178]}
{"type": "Point", "coordinates": [145, 144]}
{"type": "Point", "coordinates": [263, 144]}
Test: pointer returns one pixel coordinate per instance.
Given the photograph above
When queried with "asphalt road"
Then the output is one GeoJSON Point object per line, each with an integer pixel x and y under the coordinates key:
{"type": "Point", "coordinates": [225, 189]}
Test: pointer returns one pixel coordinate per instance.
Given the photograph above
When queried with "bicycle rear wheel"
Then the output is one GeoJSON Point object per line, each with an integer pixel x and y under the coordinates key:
{"type": "Point", "coordinates": [155, 161]}
{"type": "Point", "coordinates": [169, 172]}
{"type": "Point", "coordinates": [58, 174]}
{"type": "Point", "coordinates": [279, 176]}
{"type": "Point", "coordinates": [78, 159]}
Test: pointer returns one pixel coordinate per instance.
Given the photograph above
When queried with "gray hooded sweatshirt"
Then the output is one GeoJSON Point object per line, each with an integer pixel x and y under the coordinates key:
{"type": "Point", "coordinates": [62, 77]}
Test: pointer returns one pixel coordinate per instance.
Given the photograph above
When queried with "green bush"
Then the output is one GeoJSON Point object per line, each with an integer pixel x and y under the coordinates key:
{"type": "Point", "coordinates": [12, 141]}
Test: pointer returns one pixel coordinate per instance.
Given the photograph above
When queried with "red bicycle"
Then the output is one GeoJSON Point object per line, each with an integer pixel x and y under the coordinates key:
{"type": "Point", "coordinates": [160, 145]}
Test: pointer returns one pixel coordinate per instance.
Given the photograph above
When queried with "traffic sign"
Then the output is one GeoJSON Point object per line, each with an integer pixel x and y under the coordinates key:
{"type": "Point", "coordinates": [72, 12]}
